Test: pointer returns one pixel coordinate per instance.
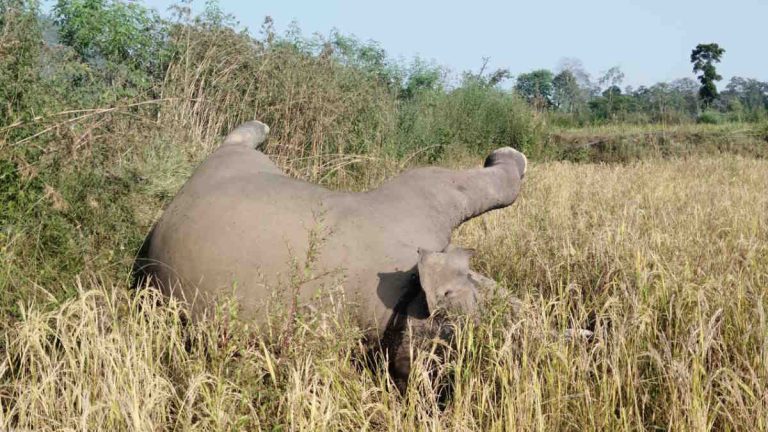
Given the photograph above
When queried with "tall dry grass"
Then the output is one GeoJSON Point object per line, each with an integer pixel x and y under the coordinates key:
{"type": "Point", "coordinates": [323, 115]}
{"type": "Point", "coordinates": [667, 261]}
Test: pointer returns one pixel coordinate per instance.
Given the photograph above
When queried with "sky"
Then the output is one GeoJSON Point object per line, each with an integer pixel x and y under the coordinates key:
{"type": "Point", "coordinates": [649, 40]}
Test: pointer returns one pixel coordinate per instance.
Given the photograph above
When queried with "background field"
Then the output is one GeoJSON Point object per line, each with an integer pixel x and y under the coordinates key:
{"type": "Point", "coordinates": [652, 234]}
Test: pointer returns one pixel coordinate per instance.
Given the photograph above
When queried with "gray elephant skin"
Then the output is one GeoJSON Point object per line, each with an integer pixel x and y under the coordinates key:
{"type": "Point", "coordinates": [239, 222]}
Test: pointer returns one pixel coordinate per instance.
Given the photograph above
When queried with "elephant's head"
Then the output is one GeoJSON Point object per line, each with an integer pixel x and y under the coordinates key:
{"type": "Point", "coordinates": [450, 287]}
{"type": "Point", "coordinates": [452, 292]}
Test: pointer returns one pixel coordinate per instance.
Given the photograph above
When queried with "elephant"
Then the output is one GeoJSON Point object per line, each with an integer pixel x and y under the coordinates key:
{"type": "Point", "coordinates": [239, 224]}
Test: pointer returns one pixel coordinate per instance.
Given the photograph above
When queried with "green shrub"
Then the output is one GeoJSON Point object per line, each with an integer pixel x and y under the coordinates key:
{"type": "Point", "coordinates": [122, 36]}
{"type": "Point", "coordinates": [20, 47]}
{"type": "Point", "coordinates": [762, 131]}
{"type": "Point", "coordinates": [710, 117]}
{"type": "Point", "coordinates": [472, 117]}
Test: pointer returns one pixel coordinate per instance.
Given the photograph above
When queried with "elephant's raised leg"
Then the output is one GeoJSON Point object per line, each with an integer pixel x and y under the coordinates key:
{"type": "Point", "coordinates": [437, 200]}
{"type": "Point", "coordinates": [250, 134]}
{"type": "Point", "coordinates": [465, 194]}
{"type": "Point", "coordinates": [245, 143]}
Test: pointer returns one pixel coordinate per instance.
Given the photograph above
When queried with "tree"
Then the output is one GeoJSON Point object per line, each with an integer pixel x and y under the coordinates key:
{"type": "Point", "coordinates": [566, 91]}
{"type": "Point", "coordinates": [421, 76]}
{"type": "Point", "coordinates": [368, 57]}
{"type": "Point", "coordinates": [611, 79]}
{"type": "Point", "coordinates": [484, 78]}
{"type": "Point", "coordinates": [703, 58]}
{"type": "Point", "coordinates": [536, 87]}
{"type": "Point", "coordinates": [751, 94]}
{"type": "Point", "coordinates": [611, 103]}
{"type": "Point", "coordinates": [684, 96]}
{"type": "Point", "coordinates": [577, 93]}
{"type": "Point", "coordinates": [576, 68]}
{"type": "Point", "coordinates": [125, 33]}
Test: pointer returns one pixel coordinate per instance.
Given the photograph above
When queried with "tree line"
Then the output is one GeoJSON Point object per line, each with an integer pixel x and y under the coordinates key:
{"type": "Point", "coordinates": [571, 95]}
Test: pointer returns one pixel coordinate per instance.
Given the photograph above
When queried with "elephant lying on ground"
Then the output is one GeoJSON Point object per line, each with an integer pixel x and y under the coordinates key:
{"type": "Point", "coordinates": [239, 223]}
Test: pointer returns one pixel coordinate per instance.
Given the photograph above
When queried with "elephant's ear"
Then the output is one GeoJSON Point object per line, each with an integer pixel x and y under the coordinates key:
{"type": "Point", "coordinates": [444, 277]}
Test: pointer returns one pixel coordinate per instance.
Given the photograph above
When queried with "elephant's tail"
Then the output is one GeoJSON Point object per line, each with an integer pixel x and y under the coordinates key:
{"type": "Point", "coordinates": [250, 134]}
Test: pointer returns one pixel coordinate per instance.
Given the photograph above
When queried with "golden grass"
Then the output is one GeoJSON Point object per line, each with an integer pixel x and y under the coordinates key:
{"type": "Point", "coordinates": [666, 260]}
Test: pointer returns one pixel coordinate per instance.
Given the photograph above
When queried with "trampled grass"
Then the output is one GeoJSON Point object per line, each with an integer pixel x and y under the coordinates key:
{"type": "Point", "coordinates": [666, 260]}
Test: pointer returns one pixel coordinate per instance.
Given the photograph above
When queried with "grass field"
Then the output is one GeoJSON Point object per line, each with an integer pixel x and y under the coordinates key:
{"type": "Point", "coordinates": [666, 260]}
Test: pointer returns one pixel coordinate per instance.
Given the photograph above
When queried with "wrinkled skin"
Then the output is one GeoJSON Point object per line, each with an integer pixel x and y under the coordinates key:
{"type": "Point", "coordinates": [238, 222]}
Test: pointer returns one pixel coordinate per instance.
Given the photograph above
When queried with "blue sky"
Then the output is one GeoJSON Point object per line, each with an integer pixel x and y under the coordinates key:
{"type": "Point", "coordinates": [650, 40]}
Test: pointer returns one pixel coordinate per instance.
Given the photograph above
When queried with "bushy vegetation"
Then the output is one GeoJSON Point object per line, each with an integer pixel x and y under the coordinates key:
{"type": "Point", "coordinates": [105, 109]}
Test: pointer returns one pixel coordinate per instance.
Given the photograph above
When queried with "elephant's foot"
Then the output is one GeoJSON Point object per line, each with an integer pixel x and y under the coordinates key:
{"type": "Point", "coordinates": [251, 134]}
{"type": "Point", "coordinates": [507, 155]}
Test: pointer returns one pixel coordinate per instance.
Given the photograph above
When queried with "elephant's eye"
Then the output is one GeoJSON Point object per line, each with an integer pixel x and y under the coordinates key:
{"type": "Point", "coordinates": [449, 293]}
